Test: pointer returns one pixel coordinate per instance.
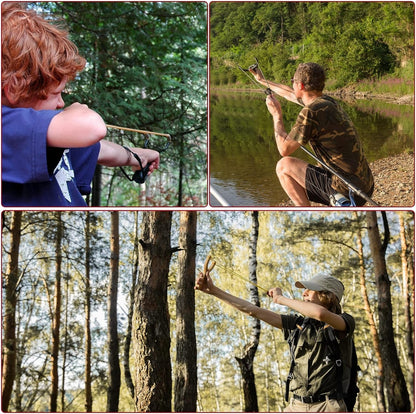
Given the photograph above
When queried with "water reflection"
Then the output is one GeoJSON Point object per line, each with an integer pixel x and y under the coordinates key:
{"type": "Point", "coordinates": [243, 153]}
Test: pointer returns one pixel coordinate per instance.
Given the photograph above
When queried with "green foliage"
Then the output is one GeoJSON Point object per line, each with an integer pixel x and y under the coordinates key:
{"type": "Point", "coordinates": [352, 40]}
{"type": "Point", "coordinates": [146, 69]}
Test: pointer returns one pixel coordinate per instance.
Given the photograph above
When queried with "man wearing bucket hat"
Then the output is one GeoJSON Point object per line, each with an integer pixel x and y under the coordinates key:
{"type": "Point", "coordinates": [319, 337]}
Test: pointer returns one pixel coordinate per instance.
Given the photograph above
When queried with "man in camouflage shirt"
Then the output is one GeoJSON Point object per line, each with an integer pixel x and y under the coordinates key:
{"type": "Point", "coordinates": [327, 128]}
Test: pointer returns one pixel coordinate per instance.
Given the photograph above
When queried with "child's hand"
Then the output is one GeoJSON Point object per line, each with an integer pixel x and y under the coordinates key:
{"type": "Point", "coordinates": [204, 283]}
{"type": "Point", "coordinates": [148, 157]}
{"type": "Point", "coordinates": [275, 293]}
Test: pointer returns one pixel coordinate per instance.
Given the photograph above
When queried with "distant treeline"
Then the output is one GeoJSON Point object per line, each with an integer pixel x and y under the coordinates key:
{"type": "Point", "coordinates": [352, 40]}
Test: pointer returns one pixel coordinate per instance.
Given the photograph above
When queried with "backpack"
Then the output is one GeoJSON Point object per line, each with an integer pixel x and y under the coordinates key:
{"type": "Point", "coordinates": [350, 397]}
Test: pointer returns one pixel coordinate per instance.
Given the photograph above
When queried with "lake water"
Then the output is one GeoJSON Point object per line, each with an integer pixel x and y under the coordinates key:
{"type": "Point", "coordinates": [243, 153]}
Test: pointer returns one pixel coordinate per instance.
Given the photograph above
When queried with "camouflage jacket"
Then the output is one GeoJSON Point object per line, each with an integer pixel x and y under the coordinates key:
{"type": "Point", "coordinates": [330, 132]}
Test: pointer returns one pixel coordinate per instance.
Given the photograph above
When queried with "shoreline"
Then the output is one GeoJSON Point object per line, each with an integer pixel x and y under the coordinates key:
{"type": "Point", "coordinates": [346, 94]}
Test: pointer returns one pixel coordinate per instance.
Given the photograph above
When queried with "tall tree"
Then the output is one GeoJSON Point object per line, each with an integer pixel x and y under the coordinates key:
{"type": "Point", "coordinates": [113, 389]}
{"type": "Point", "coordinates": [87, 310]}
{"type": "Point", "coordinates": [397, 394]}
{"type": "Point", "coordinates": [11, 280]}
{"type": "Point", "coordinates": [151, 340]}
{"type": "Point", "coordinates": [56, 313]}
{"type": "Point", "coordinates": [127, 341]}
{"type": "Point", "coordinates": [186, 355]}
{"type": "Point", "coordinates": [246, 361]}
{"type": "Point", "coordinates": [381, 403]}
{"type": "Point", "coordinates": [407, 274]}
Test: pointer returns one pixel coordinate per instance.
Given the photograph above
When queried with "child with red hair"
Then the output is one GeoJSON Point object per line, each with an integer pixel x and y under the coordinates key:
{"type": "Point", "coordinates": [49, 153]}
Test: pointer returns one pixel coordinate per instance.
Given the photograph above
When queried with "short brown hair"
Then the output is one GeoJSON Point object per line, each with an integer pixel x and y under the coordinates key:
{"type": "Point", "coordinates": [36, 56]}
{"type": "Point", "coordinates": [330, 301]}
{"type": "Point", "coordinates": [311, 75]}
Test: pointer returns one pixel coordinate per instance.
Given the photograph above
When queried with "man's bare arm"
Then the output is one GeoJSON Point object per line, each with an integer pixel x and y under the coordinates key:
{"type": "Point", "coordinates": [282, 90]}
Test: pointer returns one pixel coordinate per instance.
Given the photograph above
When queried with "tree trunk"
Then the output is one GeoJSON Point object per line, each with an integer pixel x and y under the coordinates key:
{"type": "Point", "coordinates": [9, 317]}
{"type": "Point", "coordinates": [381, 402]}
{"type": "Point", "coordinates": [186, 355]}
{"type": "Point", "coordinates": [407, 301]}
{"type": "Point", "coordinates": [127, 342]}
{"type": "Point", "coordinates": [96, 187]}
{"type": "Point", "coordinates": [397, 394]}
{"type": "Point", "coordinates": [87, 307]}
{"type": "Point", "coordinates": [246, 361]}
{"type": "Point", "coordinates": [151, 335]}
{"type": "Point", "coordinates": [113, 390]}
{"type": "Point", "coordinates": [56, 315]}
{"type": "Point", "coordinates": [65, 346]}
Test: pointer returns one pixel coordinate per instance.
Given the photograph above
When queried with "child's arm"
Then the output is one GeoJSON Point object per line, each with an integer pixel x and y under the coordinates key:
{"type": "Point", "coordinates": [76, 126]}
{"type": "Point", "coordinates": [309, 309]}
{"type": "Point", "coordinates": [206, 285]}
{"type": "Point", "coordinates": [114, 155]}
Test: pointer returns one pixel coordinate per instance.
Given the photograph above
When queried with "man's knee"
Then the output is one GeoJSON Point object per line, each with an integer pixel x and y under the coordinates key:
{"type": "Point", "coordinates": [284, 166]}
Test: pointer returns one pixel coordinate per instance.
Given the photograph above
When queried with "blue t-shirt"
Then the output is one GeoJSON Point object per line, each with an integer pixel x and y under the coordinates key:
{"type": "Point", "coordinates": [34, 174]}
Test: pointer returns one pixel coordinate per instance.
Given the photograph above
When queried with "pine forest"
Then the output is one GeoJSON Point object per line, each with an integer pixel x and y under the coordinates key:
{"type": "Point", "coordinates": [100, 313]}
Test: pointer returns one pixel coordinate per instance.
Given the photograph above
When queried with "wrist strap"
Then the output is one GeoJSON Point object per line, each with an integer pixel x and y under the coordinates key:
{"type": "Point", "coordinates": [140, 175]}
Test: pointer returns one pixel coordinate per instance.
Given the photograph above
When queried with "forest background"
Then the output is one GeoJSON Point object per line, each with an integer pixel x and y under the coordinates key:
{"type": "Point", "coordinates": [105, 317]}
{"type": "Point", "coordinates": [146, 69]}
{"type": "Point", "coordinates": [369, 44]}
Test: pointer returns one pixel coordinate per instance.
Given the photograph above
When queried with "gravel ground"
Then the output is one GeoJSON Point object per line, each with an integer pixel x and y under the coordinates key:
{"type": "Point", "coordinates": [394, 179]}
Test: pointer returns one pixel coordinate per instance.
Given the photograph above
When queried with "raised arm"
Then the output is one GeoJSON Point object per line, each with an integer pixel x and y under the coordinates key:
{"type": "Point", "coordinates": [115, 155]}
{"type": "Point", "coordinates": [206, 285]}
{"type": "Point", "coordinates": [309, 309]}
{"type": "Point", "coordinates": [282, 90]}
{"type": "Point", "coordinates": [76, 126]}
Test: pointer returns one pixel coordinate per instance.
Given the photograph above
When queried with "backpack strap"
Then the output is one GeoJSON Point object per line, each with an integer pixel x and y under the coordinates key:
{"type": "Point", "coordinates": [334, 345]}
{"type": "Point", "coordinates": [293, 343]}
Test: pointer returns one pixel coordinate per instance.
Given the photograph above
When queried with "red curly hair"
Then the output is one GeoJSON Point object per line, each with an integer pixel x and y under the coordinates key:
{"type": "Point", "coordinates": [36, 56]}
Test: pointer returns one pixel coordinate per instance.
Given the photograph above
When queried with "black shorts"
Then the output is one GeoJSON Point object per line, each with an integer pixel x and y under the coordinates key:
{"type": "Point", "coordinates": [318, 186]}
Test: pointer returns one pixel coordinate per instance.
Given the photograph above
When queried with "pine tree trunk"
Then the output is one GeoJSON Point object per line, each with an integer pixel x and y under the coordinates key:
{"type": "Point", "coordinates": [127, 342]}
{"type": "Point", "coordinates": [87, 328]}
{"type": "Point", "coordinates": [246, 361]}
{"type": "Point", "coordinates": [113, 390]}
{"type": "Point", "coordinates": [56, 316]}
{"type": "Point", "coordinates": [9, 316]}
{"type": "Point", "coordinates": [407, 301]}
{"type": "Point", "coordinates": [381, 402]}
{"type": "Point", "coordinates": [151, 325]}
{"type": "Point", "coordinates": [186, 355]}
{"type": "Point", "coordinates": [397, 394]}
{"type": "Point", "coordinates": [65, 346]}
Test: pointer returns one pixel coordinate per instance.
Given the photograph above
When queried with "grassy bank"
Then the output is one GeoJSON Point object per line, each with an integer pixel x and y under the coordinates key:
{"type": "Point", "coordinates": [399, 83]}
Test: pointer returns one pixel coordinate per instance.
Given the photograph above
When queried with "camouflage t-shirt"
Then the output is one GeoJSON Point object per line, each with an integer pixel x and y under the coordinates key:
{"type": "Point", "coordinates": [328, 129]}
